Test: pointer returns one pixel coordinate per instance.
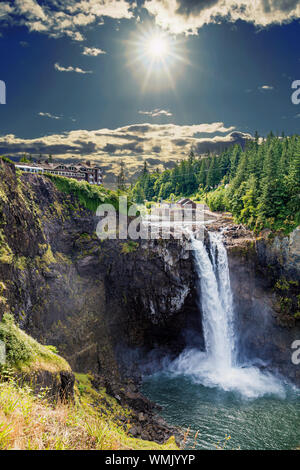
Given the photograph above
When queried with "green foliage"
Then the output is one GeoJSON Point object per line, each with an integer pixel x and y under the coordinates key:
{"type": "Point", "coordinates": [5, 159]}
{"type": "Point", "coordinates": [121, 177]}
{"type": "Point", "coordinates": [52, 348]}
{"type": "Point", "coordinates": [260, 185]}
{"type": "Point", "coordinates": [22, 351]}
{"type": "Point", "coordinates": [24, 160]}
{"type": "Point", "coordinates": [288, 297]}
{"type": "Point", "coordinates": [129, 247]}
{"type": "Point", "coordinates": [6, 254]}
{"type": "Point", "coordinates": [90, 196]}
{"type": "Point", "coordinates": [93, 421]}
{"type": "Point", "coordinates": [16, 349]}
{"type": "Point", "coordinates": [282, 284]}
{"type": "Point", "coordinates": [217, 199]}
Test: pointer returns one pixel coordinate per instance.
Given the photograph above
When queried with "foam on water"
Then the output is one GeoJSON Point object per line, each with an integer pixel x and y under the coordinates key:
{"type": "Point", "coordinates": [217, 366]}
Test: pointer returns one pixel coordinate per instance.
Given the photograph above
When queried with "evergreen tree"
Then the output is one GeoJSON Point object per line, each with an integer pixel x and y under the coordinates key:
{"type": "Point", "coordinates": [145, 168]}
{"type": "Point", "coordinates": [260, 185]}
{"type": "Point", "coordinates": [121, 178]}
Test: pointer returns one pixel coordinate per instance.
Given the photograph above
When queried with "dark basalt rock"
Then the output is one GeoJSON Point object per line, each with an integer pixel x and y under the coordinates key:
{"type": "Point", "coordinates": [112, 311]}
{"type": "Point", "coordinates": [58, 386]}
{"type": "Point", "coordinates": [92, 300]}
{"type": "Point", "coordinates": [265, 331]}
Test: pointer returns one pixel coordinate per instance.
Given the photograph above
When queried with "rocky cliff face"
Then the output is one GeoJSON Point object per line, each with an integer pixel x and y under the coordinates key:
{"type": "Point", "coordinates": [282, 253]}
{"type": "Point", "coordinates": [109, 305]}
{"type": "Point", "coordinates": [261, 332]}
{"type": "Point", "coordinates": [265, 273]}
{"type": "Point", "coordinates": [89, 298]}
{"type": "Point", "coordinates": [104, 305]}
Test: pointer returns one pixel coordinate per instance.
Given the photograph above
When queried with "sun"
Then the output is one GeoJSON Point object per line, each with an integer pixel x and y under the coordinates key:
{"type": "Point", "coordinates": [154, 55]}
{"type": "Point", "coordinates": [157, 47]}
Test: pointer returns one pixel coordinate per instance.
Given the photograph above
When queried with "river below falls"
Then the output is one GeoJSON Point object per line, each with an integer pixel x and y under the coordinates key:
{"type": "Point", "coordinates": [224, 403]}
{"type": "Point", "coordinates": [264, 423]}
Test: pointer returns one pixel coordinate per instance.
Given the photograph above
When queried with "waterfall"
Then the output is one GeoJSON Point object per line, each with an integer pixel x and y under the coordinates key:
{"type": "Point", "coordinates": [217, 366]}
{"type": "Point", "coordinates": [216, 303]}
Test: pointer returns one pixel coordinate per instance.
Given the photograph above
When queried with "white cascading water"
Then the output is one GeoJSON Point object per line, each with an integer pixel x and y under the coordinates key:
{"type": "Point", "coordinates": [217, 366]}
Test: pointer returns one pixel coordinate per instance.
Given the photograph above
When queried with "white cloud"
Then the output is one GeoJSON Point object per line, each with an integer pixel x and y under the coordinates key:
{"type": "Point", "coordinates": [57, 18]}
{"type": "Point", "coordinates": [157, 113]}
{"type": "Point", "coordinates": [93, 51]}
{"type": "Point", "coordinates": [266, 88]}
{"type": "Point", "coordinates": [187, 16]}
{"type": "Point", "coordinates": [160, 145]}
{"type": "Point", "coordinates": [60, 68]}
{"type": "Point", "coordinates": [5, 10]}
{"type": "Point", "coordinates": [69, 17]}
{"type": "Point", "coordinates": [31, 9]}
{"type": "Point", "coordinates": [48, 115]}
{"type": "Point", "coordinates": [116, 9]}
{"type": "Point", "coordinates": [128, 140]}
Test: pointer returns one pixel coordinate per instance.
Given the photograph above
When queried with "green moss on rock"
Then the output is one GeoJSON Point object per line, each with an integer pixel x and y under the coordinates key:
{"type": "Point", "coordinates": [24, 353]}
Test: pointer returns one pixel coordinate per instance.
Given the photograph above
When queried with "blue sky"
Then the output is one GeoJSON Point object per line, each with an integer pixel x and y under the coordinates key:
{"type": "Point", "coordinates": [76, 77]}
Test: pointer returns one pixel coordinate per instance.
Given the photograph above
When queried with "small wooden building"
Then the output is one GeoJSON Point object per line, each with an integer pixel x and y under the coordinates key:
{"type": "Point", "coordinates": [186, 203]}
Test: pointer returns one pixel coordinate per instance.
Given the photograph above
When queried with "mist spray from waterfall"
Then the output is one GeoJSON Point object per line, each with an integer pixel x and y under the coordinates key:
{"type": "Point", "coordinates": [217, 366]}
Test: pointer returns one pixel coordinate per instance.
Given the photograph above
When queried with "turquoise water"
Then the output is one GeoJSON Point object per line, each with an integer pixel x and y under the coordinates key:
{"type": "Point", "coordinates": [208, 391]}
{"type": "Point", "coordinates": [263, 423]}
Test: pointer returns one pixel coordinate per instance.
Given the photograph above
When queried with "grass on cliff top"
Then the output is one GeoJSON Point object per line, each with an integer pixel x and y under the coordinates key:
{"type": "Point", "coordinates": [29, 422]}
{"type": "Point", "coordinates": [90, 196]}
{"type": "Point", "coordinates": [23, 353]}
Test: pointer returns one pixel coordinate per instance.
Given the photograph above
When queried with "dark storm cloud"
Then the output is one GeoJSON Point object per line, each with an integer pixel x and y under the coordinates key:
{"type": "Point", "coordinates": [37, 148]}
{"type": "Point", "coordinates": [283, 5]}
{"type": "Point", "coordinates": [125, 136]}
{"type": "Point", "coordinates": [180, 142]}
{"type": "Point", "coordinates": [219, 144]}
{"type": "Point", "coordinates": [133, 147]}
{"type": "Point", "coordinates": [154, 161]}
{"type": "Point", "coordinates": [194, 7]}
{"type": "Point", "coordinates": [85, 148]}
{"type": "Point", "coordinates": [139, 128]}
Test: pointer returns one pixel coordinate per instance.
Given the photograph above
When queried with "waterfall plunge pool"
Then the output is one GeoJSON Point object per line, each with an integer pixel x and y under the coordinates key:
{"type": "Point", "coordinates": [210, 392]}
{"type": "Point", "coordinates": [265, 423]}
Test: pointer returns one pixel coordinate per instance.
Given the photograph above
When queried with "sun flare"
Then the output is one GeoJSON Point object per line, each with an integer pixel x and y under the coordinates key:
{"type": "Point", "coordinates": [157, 47]}
{"type": "Point", "coordinates": [154, 55]}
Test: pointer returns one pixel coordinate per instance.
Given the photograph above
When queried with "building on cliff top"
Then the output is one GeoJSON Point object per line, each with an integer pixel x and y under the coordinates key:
{"type": "Point", "coordinates": [186, 203]}
{"type": "Point", "coordinates": [85, 171]}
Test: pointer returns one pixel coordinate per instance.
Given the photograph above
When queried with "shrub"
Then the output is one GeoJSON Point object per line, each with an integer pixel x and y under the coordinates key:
{"type": "Point", "coordinates": [216, 200]}
{"type": "Point", "coordinates": [129, 247]}
{"type": "Point", "coordinates": [22, 351]}
{"type": "Point", "coordinates": [90, 196]}
{"type": "Point", "coordinates": [30, 422]}
{"type": "Point", "coordinates": [5, 159]}
{"type": "Point", "coordinates": [16, 349]}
